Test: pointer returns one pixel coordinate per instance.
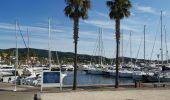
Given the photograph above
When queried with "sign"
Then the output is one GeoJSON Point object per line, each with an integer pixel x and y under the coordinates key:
{"type": "Point", "coordinates": [51, 79]}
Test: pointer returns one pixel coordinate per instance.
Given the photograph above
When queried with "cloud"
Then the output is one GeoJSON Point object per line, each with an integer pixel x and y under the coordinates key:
{"type": "Point", "coordinates": [102, 14]}
{"type": "Point", "coordinates": [145, 9]}
{"type": "Point", "coordinates": [100, 23]}
{"type": "Point", "coordinates": [132, 25]}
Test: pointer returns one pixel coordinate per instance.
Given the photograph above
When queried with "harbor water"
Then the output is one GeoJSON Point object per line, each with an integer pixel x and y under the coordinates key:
{"type": "Point", "coordinates": [82, 79]}
{"type": "Point", "coordinates": [89, 79]}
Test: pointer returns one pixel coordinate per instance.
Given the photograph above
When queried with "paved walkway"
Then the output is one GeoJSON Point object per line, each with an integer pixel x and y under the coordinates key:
{"type": "Point", "coordinates": [9, 95]}
{"type": "Point", "coordinates": [85, 93]}
{"type": "Point", "coordinates": [154, 94]}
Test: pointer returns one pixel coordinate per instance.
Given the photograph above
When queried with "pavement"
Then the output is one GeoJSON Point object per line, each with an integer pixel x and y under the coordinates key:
{"type": "Point", "coordinates": [22, 93]}
{"type": "Point", "coordinates": [109, 95]}
{"type": "Point", "coordinates": [9, 95]}
{"type": "Point", "coordinates": [84, 93]}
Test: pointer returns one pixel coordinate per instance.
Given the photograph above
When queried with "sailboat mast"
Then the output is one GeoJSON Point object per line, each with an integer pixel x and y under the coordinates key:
{"type": "Point", "coordinates": [167, 56]}
{"type": "Point", "coordinates": [28, 47]}
{"type": "Point", "coordinates": [144, 43]}
{"type": "Point", "coordinates": [131, 47]}
{"type": "Point", "coordinates": [161, 41]}
{"type": "Point", "coordinates": [99, 46]}
{"type": "Point", "coordinates": [16, 63]}
{"type": "Point", "coordinates": [49, 46]}
{"type": "Point", "coordinates": [101, 33]}
{"type": "Point", "coordinates": [122, 49]}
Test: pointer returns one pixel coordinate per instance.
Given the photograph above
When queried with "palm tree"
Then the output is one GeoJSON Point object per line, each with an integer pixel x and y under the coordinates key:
{"type": "Point", "coordinates": [76, 9]}
{"type": "Point", "coordinates": [118, 10]}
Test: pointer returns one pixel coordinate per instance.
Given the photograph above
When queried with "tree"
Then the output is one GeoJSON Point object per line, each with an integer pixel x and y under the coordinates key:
{"type": "Point", "coordinates": [76, 9]}
{"type": "Point", "coordinates": [118, 10]}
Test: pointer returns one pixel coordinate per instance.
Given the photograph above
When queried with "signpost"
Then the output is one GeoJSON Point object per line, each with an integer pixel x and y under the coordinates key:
{"type": "Point", "coordinates": [51, 79]}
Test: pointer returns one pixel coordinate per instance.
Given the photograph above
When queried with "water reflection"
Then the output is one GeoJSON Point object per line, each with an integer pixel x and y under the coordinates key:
{"type": "Point", "coordinates": [89, 79]}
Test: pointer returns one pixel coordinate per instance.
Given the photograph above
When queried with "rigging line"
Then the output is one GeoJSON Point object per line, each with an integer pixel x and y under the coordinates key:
{"type": "Point", "coordinates": [113, 61]}
{"type": "Point", "coordinates": [57, 59]}
{"type": "Point", "coordinates": [166, 46]}
{"type": "Point", "coordinates": [114, 55]}
{"type": "Point", "coordinates": [21, 35]}
{"type": "Point", "coordinates": [103, 51]}
{"type": "Point", "coordinates": [127, 46]}
{"type": "Point", "coordinates": [102, 46]}
{"type": "Point", "coordinates": [138, 50]}
{"type": "Point", "coordinates": [122, 46]}
{"type": "Point", "coordinates": [93, 53]}
{"type": "Point", "coordinates": [131, 47]}
{"type": "Point", "coordinates": [154, 41]}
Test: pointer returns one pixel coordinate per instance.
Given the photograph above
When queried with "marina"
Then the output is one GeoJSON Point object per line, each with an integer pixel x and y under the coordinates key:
{"type": "Point", "coordinates": [84, 50]}
{"type": "Point", "coordinates": [87, 76]}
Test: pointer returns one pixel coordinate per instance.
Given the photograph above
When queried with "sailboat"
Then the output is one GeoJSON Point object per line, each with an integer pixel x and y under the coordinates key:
{"type": "Point", "coordinates": [138, 74]}
{"type": "Point", "coordinates": [123, 72]}
{"type": "Point", "coordinates": [6, 70]}
{"type": "Point", "coordinates": [167, 67]}
{"type": "Point", "coordinates": [127, 72]}
{"type": "Point", "coordinates": [98, 68]}
{"type": "Point", "coordinates": [33, 73]}
{"type": "Point", "coordinates": [160, 75]}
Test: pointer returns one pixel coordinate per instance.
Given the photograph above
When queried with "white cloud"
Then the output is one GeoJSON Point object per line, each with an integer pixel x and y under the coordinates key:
{"type": "Point", "coordinates": [102, 14]}
{"type": "Point", "coordinates": [145, 9]}
{"type": "Point", "coordinates": [109, 24]}
{"type": "Point", "coordinates": [101, 23]}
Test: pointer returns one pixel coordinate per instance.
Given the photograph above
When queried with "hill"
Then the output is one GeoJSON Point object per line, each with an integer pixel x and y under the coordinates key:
{"type": "Point", "coordinates": [64, 57]}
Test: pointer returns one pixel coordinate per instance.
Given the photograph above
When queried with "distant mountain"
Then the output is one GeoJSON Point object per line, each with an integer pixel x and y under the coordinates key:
{"type": "Point", "coordinates": [64, 57]}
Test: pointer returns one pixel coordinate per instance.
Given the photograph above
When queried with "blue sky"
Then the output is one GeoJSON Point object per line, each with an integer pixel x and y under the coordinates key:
{"type": "Point", "coordinates": [34, 15]}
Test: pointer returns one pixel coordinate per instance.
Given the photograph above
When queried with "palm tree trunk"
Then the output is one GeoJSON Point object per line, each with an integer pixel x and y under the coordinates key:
{"type": "Point", "coordinates": [76, 25]}
{"type": "Point", "coordinates": [117, 52]}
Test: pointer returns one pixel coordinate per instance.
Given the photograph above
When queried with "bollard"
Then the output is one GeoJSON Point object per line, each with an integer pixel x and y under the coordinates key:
{"type": "Point", "coordinates": [138, 84]}
{"type": "Point", "coordinates": [37, 96]}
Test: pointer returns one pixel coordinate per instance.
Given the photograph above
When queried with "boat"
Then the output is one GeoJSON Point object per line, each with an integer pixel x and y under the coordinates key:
{"type": "Point", "coordinates": [95, 69]}
{"type": "Point", "coordinates": [138, 75]}
{"type": "Point", "coordinates": [159, 77]}
{"type": "Point", "coordinates": [28, 71]}
{"type": "Point", "coordinates": [162, 74]}
{"type": "Point", "coordinates": [7, 70]}
{"type": "Point", "coordinates": [124, 73]}
{"type": "Point", "coordinates": [165, 68]}
{"type": "Point", "coordinates": [67, 68]}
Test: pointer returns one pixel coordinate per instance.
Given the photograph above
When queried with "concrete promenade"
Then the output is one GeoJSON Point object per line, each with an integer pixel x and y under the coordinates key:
{"type": "Point", "coordinates": [84, 93]}
{"type": "Point", "coordinates": [154, 94]}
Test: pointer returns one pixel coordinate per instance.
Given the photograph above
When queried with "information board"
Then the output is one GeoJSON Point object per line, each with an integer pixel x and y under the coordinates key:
{"type": "Point", "coordinates": [51, 79]}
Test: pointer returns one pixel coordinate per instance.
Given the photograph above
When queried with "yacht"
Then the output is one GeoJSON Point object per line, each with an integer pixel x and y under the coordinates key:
{"type": "Point", "coordinates": [124, 73]}
{"type": "Point", "coordinates": [6, 70]}
{"type": "Point", "coordinates": [67, 67]}
{"type": "Point", "coordinates": [95, 69]}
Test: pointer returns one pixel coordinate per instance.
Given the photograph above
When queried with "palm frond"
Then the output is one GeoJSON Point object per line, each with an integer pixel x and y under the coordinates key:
{"type": "Point", "coordinates": [77, 8]}
{"type": "Point", "coordinates": [109, 3]}
{"type": "Point", "coordinates": [119, 8]}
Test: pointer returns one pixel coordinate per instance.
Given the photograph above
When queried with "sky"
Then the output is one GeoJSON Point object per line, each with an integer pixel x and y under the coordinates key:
{"type": "Point", "coordinates": [33, 14]}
